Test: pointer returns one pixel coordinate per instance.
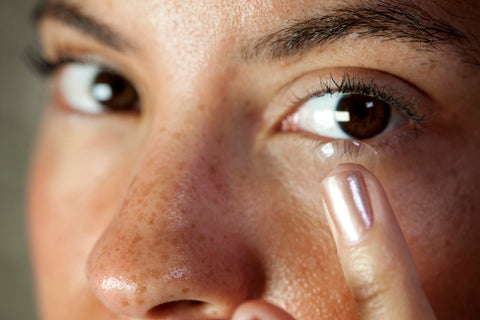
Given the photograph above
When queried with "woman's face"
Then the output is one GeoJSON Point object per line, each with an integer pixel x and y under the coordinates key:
{"type": "Point", "coordinates": [174, 174]}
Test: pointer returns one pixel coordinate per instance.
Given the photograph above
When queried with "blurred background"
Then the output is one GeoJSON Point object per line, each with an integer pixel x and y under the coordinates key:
{"type": "Point", "coordinates": [20, 106]}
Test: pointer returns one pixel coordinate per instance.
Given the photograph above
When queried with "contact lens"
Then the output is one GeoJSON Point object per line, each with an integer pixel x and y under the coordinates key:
{"type": "Point", "coordinates": [335, 153]}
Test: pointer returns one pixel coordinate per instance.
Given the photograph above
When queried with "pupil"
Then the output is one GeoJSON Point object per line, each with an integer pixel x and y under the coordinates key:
{"type": "Point", "coordinates": [368, 116]}
{"type": "Point", "coordinates": [114, 92]}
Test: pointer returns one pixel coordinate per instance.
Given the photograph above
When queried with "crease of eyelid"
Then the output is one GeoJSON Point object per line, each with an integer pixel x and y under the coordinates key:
{"type": "Point", "coordinates": [73, 16]}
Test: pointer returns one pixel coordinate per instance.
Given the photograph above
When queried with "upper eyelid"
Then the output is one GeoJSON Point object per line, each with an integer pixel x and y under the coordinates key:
{"type": "Point", "coordinates": [46, 67]}
{"type": "Point", "coordinates": [74, 17]}
{"type": "Point", "coordinates": [349, 84]}
{"type": "Point", "coordinates": [411, 103]}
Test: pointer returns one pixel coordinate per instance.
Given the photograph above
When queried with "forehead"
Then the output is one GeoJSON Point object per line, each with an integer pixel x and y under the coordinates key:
{"type": "Point", "coordinates": [195, 33]}
{"type": "Point", "coordinates": [267, 10]}
{"type": "Point", "coordinates": [214, 20]}
{"type": "Point", "coordinates": [209, 12]}
{"type": "Point", "coordinates": [208, 21]}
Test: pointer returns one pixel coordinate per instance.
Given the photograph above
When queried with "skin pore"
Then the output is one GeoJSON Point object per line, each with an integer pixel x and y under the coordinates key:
{"type": "Point", "coordinates": [200, 202]}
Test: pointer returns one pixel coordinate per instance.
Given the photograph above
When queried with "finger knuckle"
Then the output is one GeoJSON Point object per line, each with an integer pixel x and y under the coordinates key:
{"type": "Point", "coordinates": [370, 285]}
{"type": "Point", "coordinates": [369, 296]}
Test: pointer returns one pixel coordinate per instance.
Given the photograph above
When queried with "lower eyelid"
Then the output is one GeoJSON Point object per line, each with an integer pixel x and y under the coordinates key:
{"type": "Point", "coordinates": [303, 88]}
{"type": "Point", "coordinates": [387, 146]}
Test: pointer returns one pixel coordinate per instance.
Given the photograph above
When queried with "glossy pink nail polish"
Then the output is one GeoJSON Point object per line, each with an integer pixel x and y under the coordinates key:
{"type": "Point", "coordinates": [348, 204]}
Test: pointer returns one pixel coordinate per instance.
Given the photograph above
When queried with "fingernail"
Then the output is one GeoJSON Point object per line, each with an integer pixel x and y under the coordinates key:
{"type": "Point", "coordinates": [347, 203]}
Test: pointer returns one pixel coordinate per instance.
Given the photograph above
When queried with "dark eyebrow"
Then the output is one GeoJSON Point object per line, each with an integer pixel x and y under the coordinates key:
{"type": "Point", "coordinates": [73, 16]}
{"type": "Point", "coordinates": [386, 20]}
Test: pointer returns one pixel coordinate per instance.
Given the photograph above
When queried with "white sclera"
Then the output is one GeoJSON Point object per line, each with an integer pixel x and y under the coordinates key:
{"type": "Point", "coordinates": [335, 153]}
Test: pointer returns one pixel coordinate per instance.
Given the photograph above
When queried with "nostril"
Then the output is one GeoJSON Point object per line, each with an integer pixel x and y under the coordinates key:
{"type": "Point", "coordinates": [177, 307]}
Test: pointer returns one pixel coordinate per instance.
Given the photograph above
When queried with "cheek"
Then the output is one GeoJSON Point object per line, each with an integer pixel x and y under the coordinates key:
{"type": "Point", "coordinates": [432, 190]}
{"type": "Point", "coordinates": [74, 191]}
{"type": "Point", "coordinates": [78, 175]}
{"type": "Point", "coordinates": [303, 274]}
{"type": "Point", "coordinates": [271, 205]}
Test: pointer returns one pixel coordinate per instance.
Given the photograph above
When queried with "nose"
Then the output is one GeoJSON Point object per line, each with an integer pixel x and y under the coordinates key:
{"type": "Point", "coordinates": [172, 250]}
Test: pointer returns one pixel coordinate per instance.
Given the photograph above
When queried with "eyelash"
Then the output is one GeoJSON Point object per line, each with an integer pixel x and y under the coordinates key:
{"type": "Point", "coordinates": [46, 68]}
{"type": "Point", "coordinates": [349, 84]}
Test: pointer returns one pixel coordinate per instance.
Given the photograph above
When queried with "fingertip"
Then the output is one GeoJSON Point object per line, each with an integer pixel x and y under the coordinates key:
{"type": "Point", "coordinates": [260, 310]}
{"type": "Point", "coordinates": [347, 203]}
{"type": "Point", "coordinates": [350, 167]}
{"type": "Point", "coordinates": [375, 258]}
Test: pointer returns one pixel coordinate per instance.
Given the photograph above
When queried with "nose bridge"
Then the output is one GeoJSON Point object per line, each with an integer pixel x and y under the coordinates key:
{"type": "Point", "coordinates": [170, 245]}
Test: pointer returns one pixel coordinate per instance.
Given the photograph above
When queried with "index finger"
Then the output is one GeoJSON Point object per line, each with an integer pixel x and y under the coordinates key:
{"type": "Point", "coordinates": [375, 258]}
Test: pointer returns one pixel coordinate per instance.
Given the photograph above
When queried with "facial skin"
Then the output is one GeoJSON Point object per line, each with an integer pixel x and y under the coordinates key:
{"type": "Point", "coordinates": [200, 202]}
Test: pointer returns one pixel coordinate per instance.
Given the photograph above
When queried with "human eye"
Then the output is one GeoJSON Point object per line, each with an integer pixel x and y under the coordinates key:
{"type": "Point", "coordinates": [88, 87]}
{"type": "Point", "coordinates": [355, 107]}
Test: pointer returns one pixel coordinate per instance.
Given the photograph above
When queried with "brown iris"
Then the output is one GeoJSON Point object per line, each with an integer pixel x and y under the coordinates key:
{"type": "Point", "coordinates": [368, 116]}
{"type": "Point", "coordinates": [114, 92]}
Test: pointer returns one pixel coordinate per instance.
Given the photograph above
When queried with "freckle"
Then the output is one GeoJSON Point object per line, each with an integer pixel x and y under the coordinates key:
{"type": "Point", "coordinates": [244, 173]}
{"type": "Point", "coordinates": [201, 107]}
{"type": "Point", "coordinates": [126, 203]}
{"type": "Point", "coordinates": [142, 289]}
{"type": "Point", "coordinates": [125, 303]}
{"type": "Point", "coordinates": [165, 256]}
{"type": "Point", "coordinates": [201, 238]}
{"type": "Point", "coordinates": [185, 290]}
{"type": "Point", "coordinates": [137, 239]}
{"type": "Point", "coordinates": [150, 221]}
{"type": "Point", "coordinates": [448, 244]}
{"type": "Point", "coordinates": [210, 274]}
{"type": "Point", "coordinates": [212, 169]}
{"type": "Point", "coordinates": [219, 138]}
{"type": "Point", "coordinates": [139, 301]}
{"type": "Point", "coordinates": [250, 115]}
{"type": "Point", "coordinates": [177, 135]}
{"type": "Point", "coordinates": [180, 165]}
